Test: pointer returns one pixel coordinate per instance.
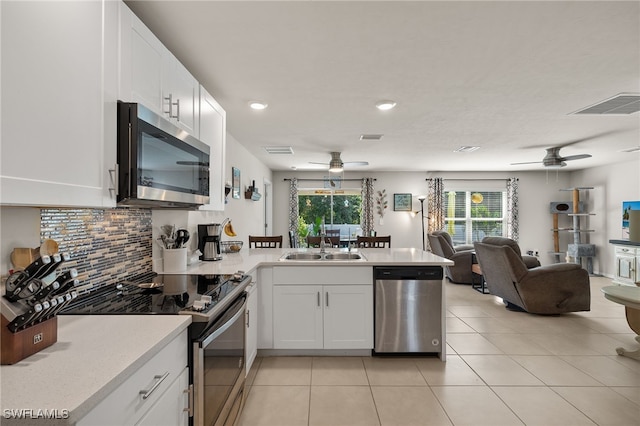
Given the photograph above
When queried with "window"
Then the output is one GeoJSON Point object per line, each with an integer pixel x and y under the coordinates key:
{"type": "Point", "coordinates": [472, 215]}
{"type": "Point", "coordinates": [340, 208]}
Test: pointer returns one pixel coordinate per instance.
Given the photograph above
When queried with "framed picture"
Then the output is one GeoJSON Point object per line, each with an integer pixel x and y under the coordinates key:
{"type": "Point", "coordinates": [235, 183]}
{"type": "Point", "coordinates": [402, 202]}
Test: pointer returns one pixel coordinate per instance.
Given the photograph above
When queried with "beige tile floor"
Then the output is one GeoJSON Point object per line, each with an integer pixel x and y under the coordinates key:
{"type": "Point", "coordinates": [503, 368]}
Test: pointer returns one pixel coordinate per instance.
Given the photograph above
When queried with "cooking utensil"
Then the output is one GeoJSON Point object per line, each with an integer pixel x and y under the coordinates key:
{"type": "Point", "coordinates": [21, 257]}
{"type": "Point", "coordinates": [182, 236]}
{"type": "Point", "coordinates": [44, 292]}
{"type": "Point", "coordinates": [21, 320]}
{"type": "Point", "coordinates": [66, 281]}
{"type": "Point", "coordinates": [48, 247]}
{"type": "Point", "coordinates": [18, 281]}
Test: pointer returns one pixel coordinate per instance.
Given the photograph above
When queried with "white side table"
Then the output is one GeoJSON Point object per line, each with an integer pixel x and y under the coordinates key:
{"type": "Point", "coordinates": [630, 298]}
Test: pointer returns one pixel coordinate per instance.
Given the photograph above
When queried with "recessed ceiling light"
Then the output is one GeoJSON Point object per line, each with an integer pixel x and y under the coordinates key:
{"type": "Point", "coordinates": [466, 149]}
{"type": "Point", "coordinates": [258, 105]}
{"type": "Point", "coordinates": [385, 105]}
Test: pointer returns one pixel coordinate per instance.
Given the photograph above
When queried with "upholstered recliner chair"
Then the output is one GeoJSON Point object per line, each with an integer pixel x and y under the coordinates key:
{"type": "Point", "coordinates": [530, 261]}
{"type": "Point", "coordinates": [549, 289]}
{"type": "Point", "coordinates": [442, 245]}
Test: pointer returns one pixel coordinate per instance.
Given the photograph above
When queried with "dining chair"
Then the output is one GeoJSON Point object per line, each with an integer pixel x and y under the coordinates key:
{"type": "Point", "coordinates": [274, 241]}
{"type": "Point", "coordinates": [374, 242]}
{"type": "Point", "coordinates": [314, 241]}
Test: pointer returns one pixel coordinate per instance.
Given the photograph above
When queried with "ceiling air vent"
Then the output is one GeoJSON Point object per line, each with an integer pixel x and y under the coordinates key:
{"type": "Point", "coordinates": [370, 137]}
{"type": "Point", "coordinates": [623, 103]}
{"type": "Point", "coordinates": [278, 149]}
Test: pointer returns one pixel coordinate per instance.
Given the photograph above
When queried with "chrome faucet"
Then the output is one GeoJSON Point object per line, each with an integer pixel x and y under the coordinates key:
{"type": "Point", "coordinates": [323, 235]}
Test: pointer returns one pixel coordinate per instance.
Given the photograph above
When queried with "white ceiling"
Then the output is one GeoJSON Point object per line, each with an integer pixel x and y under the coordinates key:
{"type": "Point", "coordinates": [504, 76]}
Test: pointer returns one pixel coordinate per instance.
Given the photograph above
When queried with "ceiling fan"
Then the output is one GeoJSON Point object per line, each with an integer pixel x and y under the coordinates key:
{"type": "Point", "coordinates": [336, 165]}
{"type": "Point", "coordinates": [554, 160]}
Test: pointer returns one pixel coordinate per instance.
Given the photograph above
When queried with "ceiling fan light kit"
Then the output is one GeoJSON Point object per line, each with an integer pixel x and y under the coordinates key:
{"type": "Point", "coordinates": [385, 105]}
{"type": "Point", "coordinates": [258, 105]}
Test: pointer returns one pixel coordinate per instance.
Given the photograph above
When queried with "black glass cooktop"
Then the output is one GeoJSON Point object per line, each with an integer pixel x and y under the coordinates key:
{"type": "Point", "coordinates": [159, 294]}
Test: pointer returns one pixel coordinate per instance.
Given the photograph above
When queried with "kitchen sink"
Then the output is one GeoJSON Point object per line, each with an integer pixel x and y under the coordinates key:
{"type": "Point", "coordinates": [302, 256]}
{"type": "Point", "coordinates": [322, 256]}
{"type": "Point", "coordinates": [343, 256]}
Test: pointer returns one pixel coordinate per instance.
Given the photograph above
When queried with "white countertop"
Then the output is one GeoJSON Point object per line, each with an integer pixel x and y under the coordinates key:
{"type": "Point", "coordinates": [250, 259]}
{"type": "Point", "coordinates": [93, 355]}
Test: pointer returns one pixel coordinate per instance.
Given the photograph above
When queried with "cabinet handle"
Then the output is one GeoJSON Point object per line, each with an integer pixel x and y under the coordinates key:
{"type": "Point", "coordinates": [248, 317]}
{"type": "Point", "coordinates": [113, 175]}
{"type": "Point", "coordinates": [327, 294]}
{"type": "Point", "coordinates": [318, 294]}
{"type": "Point", "coordinates": [169, 99]}
{"type": "Point", "coordinates": [177, 104]}
{"type": "Point", "coordinates": [189, 408]}
{"type": "Point", "coordinates": [159, 379]}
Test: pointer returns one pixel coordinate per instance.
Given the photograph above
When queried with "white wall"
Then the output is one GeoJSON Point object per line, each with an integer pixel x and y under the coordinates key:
{"type": "Point", "coordinates": [537, 189]}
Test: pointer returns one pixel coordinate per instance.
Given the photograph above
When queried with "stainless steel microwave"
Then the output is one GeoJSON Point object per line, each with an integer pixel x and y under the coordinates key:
{"type": "Point", "coordinates": [159, 164]}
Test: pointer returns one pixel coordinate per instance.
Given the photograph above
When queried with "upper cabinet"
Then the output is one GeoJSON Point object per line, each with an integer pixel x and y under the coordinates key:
{"type": "Point", "coordinates": [151, 75]}
{"type": "Point", "coordinates": [212, 132]}
{"type": "Point", "coordinates": [59, 93]}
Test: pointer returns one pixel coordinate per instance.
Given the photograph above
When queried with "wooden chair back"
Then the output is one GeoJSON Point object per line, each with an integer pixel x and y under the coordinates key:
{"type": "Point", "coordinates": [274, 241]}
{"type": "Point", "coordinates": [374, 242]}
{"type": "Point", "coordinates": [314, 241]}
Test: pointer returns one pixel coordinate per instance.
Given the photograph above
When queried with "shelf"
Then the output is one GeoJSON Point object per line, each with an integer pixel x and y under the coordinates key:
{"type": "Point", "coordinates": [580, 230]}
{"type": "Point", "coordinates": [581, 214]}
{"type": "Point", "coordinates": [577, 187]}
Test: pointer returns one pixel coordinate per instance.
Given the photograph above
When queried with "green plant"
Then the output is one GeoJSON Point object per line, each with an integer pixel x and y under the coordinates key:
{"type": "Point", "coordinates": [317, 225]}
{"type": "Point", "coordinates": [302, 231]}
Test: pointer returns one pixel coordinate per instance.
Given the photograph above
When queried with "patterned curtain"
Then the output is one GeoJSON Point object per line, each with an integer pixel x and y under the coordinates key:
{"type": "Point", "coordinates": [512, 209]}
{"type": "Point", "coordinates": [294, 213]}
{"type": "Point", "coordinates": [435, 201]}
{"type": "Point", "coordinates": [366, 221]}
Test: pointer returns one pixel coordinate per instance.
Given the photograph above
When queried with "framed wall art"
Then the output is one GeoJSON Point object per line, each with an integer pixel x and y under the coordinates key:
{"type": "Point", "coordinates": [402, 202]}
{"type": "Point", "coordinates": [235, 182]}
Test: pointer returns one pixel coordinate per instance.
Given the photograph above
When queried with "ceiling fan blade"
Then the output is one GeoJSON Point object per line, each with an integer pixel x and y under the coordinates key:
{"type": "Point", "coordinates": [315, 162]}
{"type": "Point", "coordinates": [356, 163]}
{"type": "Point", "coordinates": [526, 162]}
{"type": "Point", "coordinates": [575, 157]}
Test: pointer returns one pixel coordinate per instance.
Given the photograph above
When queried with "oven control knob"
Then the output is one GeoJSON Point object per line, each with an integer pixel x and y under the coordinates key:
{"type": "Point", "coordinates": [206, 299]}
{"type": "Point", "coordinates": [198, 305]}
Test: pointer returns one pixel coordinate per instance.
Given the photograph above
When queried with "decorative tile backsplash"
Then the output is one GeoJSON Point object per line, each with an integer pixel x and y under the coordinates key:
{"type": "Point", "coordinates": [106, 246]}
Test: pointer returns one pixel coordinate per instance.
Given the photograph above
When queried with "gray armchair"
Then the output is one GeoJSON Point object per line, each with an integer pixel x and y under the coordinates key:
{"type": "Point", "coordinates": [442, 245]}
{"type": "Point", "coordinates": [530, 261]}
{"type": "Point", "coordinates": [549, 289]}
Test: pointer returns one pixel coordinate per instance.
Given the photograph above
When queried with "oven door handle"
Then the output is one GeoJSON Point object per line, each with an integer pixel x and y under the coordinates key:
{"type": "Point", "coordinates": [237, 309]}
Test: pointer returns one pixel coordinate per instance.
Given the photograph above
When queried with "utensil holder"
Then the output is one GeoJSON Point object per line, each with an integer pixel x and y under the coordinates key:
{"type": "Point", "coordinates": [24, 343]}
{"type": "Point", "coordinates": [175, 260]}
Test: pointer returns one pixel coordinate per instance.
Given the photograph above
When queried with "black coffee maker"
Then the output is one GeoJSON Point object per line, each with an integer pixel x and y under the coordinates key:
{"type": "Point", "coordinates": [209, 241]}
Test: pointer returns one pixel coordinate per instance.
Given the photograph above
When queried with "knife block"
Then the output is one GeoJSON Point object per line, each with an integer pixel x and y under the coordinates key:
{"type": "Point", "coordinates": [24, 343]}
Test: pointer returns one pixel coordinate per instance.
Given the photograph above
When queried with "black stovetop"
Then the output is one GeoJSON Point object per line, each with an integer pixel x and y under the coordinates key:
{"type": "Point", "coordinates": [159, 294]}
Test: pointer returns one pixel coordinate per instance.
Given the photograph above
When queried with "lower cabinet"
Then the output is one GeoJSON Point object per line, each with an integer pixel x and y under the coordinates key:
{"type": "Point", "coordinates": [323, 316]}
{"type": "Point", "coordinates": [155, 394]}
{"type": "Point", "coordinates": [172, 407]}
{"type": "Point", "coordinates": [627, 265]}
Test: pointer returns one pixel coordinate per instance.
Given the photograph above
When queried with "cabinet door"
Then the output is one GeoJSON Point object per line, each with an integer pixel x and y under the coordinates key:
{"type": "Point", "coordinates": [252, 327]}
{"type": "Point", "coordinates": [141, 63]}
{"type": "Point", "coordinates": [58, 62]}
{"type": "Point", "coordinates": [213, 132]}
{"type": "Point", "coordinates": [625, 269]}
{"type": "Point", "coordinates": [169, 410]}
{"type": "Point", "coordinates": [297, 317]}
{"type": "Point", "coordinates": [348, 317]}
{"type": "Point", "coordinates": [184, 91]}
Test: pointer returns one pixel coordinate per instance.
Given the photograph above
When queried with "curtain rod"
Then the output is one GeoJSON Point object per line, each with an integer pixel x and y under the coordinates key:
{"type": "Point", "coordinates": [471, 179]}
{"type": "Point", "coordinates": [323, 179]}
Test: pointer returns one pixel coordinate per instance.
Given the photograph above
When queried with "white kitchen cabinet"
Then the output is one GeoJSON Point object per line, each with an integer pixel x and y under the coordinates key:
{"type": "Point", "coordinates": [164, 379]}
{"type": "Point", "coordinates": [265, 307]}
{"type": "Point", "coordinates": [172, 408]}
{"type": "Point", "coordinates": [213, 132]}
{"type": "Point", "coordinates": [151, 75]}
{"type": "Point", "coordinates": [627, 270]}
{"type": "Point", "coordinates": [322, 307]}
{"type": "Point", "coordinates": [59, 94]}
{"type": "Point", "coordinates": [251, 335]}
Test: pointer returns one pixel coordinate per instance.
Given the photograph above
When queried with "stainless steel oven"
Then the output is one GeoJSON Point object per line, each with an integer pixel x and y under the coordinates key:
{"type": "Point", "coordinates": [218, 368]}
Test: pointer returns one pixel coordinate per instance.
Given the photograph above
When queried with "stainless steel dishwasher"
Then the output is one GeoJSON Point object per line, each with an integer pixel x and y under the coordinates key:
{"type": "Point", "coordinates": [408, 310]}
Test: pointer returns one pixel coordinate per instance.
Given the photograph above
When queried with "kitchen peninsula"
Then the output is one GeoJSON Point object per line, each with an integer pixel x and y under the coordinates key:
{"type": "Point", "coordinates": [100, 362]}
